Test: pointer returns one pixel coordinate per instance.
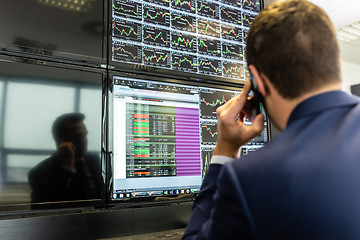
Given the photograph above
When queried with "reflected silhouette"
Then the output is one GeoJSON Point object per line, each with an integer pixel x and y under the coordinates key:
{"type": "Point", "coordinates": [71, 173]}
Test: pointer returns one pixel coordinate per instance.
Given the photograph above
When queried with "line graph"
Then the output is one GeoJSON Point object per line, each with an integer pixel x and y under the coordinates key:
{"type": "Point", "coordinates": [157, 57]}
{"type": "Point", "coordinates": [126, 52]}
{"type": "Point", "coordinates": [216, 103]}
{"type": "Point", "coordinates": [184, 5]}
{"type": "Point", "coordinates": [156, 15]}
{"type": "Point", "coordinates": [183, 22]}
{"type": "Point", "coordinates": [235, 3]}
{"type": "Point", "coordinates": [206, 153]}
{"type": "Point", "coordinates": [127, 8]}
{"type": "Point", "coordinates": [165, 3]}
{"type": "Point", "coordinates": [206, 161]}
{"type": "Point", "coordinates": [209, 47]}
{"type": "Point", "coordinates": [245, 34]}
{"type": "Point", "coordinates": [253, 5]}
{"type": "Point", "coordinates": [183, 42]}
{"type": "Point", "coordinates": [247, 19]}
{"type": "Point", "coordinates": [209, 27]}
{"type": "Point", "coordinates": [206, 37]}
{"type": "Point", "coordinates": [231, 50]}
{"type": "Point", "coordinates": [208, 9]}
{"type": "Point", "coordinates": [210, 66]}
{"type": "Point", "coordinates": [235, 70]}
{"type": "Point", "coordinates": [156, 36]}
{"type": "Point", "coordinates": [210, 100]}
{"type": "Point", "coordinates": [127, 30]}
{"type": "Point", "coordinates": [230, 15]}
{"type": "Point", "coordinates": [208, 132]}
{"type": "Point", "coordinates": [231, 33]}
{"type": "Point", "coordinates": [184, 62]}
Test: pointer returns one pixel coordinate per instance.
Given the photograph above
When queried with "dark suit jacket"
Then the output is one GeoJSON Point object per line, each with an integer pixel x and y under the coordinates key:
{"type": "Point", "coordinates": [50, 182]}
{"type": "Point", "coordinates": [305, 184]}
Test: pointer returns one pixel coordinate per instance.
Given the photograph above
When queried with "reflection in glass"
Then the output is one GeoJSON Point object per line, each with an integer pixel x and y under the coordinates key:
{"type": "Point", "coordinates": [90, 99]}
{"type": "Point", "coordinates": [71, 173]}
{"type": "Point", "coordinates": [31, 98]}
{"type": "Point", "coordinates": [30, 110]}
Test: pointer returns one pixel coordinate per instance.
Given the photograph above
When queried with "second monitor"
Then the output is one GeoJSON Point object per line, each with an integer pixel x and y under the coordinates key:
{"type": "Point", "coordinates": [163, 136]}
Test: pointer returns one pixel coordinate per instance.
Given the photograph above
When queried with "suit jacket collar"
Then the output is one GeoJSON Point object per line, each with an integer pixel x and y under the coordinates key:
{"type": "Point", "coordinates": [322, 102]}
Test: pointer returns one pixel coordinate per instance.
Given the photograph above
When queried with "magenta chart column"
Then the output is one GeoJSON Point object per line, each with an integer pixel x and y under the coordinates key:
{"type": "Point", "coordinates": [188, 161]}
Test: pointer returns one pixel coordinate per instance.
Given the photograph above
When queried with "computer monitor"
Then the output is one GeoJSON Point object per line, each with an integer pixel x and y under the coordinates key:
{"type": "Point", "coordinates": [163, 136]}
{"type": "Point", "coordinates": [57, 30]}
{"type": "Point", "coordinates": [193, 38]}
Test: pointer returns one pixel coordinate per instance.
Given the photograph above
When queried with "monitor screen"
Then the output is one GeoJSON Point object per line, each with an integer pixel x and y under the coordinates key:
{"type": "Point", "coordinates": [60, 29]}
{"type": "Point", "coordinates": [163, 136]}
{"type": "Point", "coordinates": [195, 37]}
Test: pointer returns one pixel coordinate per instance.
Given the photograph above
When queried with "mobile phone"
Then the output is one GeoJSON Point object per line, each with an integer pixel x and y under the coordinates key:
{"type": "Point", "coordinates": [257, 100]}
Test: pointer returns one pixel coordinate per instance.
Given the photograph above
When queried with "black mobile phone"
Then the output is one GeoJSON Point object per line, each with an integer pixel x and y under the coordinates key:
{"type": "Point", "coordinates": [257, 100]}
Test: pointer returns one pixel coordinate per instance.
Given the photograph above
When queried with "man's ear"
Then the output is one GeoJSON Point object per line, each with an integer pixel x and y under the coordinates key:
{"type": "Point", "coordinates": [258, 80]}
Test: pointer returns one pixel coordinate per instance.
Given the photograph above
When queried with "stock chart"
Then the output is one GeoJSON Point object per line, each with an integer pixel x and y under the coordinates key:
{"type": "Point", "coordinates": [206, 153]}
{"type": "Point", "coordinates": [206, 37]}
{"type": "Point", "coordinates": [211, 99]}
{"type": "Point", "coordinates": [208, 133]}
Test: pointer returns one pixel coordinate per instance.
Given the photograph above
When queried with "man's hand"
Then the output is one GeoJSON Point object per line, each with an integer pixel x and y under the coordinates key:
{"type": "Point", "coordinates": [66, 153]}
{"type": "Point", "coordinates": [232, 132]}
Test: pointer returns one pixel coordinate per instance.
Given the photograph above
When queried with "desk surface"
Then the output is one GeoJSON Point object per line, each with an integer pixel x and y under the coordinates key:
{"type": "Point", "coordinates": [175, 234]}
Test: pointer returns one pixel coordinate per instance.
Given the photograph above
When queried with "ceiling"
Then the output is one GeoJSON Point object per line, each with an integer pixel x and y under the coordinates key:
{"type": "Point", "coordinates": [342, 13]}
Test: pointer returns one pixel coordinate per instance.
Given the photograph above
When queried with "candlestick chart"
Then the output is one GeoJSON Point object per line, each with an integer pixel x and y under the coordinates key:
{"type": "Point", "coordinates": [234, 70]}
{"type": "Point", "coordinates": [183, 42]}
{"type": "Point", "coordinates": [247, 19]}
{"type": "Point", "coordinates": [130, 31]}
{"type": "Point", "coordinates": [209, 46]}
{"type": "Point", "coordinates": [184, 5]}
{"type": "Point", "coordinates": [206, 37]}
{"type": "Point", "coordinates": [210, 66]}
{"type": "Point", "coordinates": [231, 15]}
{"type": "Point", "coordinates": [156, 36]}
{"type": "Point", "coordinates": [156, 57]}
{"type": "Point", "coordinates": [253, 5]}
{"type": "Point", "coordinates": [210, 100]}
{"type": "Point", "coordinates": [231, 50]}
{"type": "Point", "coordinates": [231, 33]}
{"type": "Point", "coordinates": [127, 52]}
{"type": "Point", "coordinates": [206, 153]}
{"type": "Point", "coordinates": [208, 9]}
{"type": "Point", "coordinates": [127, 8]}
{"type": "Point", "coordinates": [208, 133]}
{"type": "Point", "coordinates": [184, 62]}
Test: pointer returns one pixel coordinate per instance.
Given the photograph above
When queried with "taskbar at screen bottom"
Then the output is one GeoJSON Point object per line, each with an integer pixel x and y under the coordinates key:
{"type": "Point", "coordinates": [126, 195]}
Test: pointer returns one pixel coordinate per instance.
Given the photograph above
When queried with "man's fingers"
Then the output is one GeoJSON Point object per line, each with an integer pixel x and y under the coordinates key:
{"type": "Point", "coordinates": [258, 124]}
{"type": "Point", "coordinates": [235, 105]}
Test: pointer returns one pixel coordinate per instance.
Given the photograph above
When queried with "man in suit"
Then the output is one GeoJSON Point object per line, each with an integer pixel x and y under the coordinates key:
{"type": "Point", "coordinates": [71, 173]}
{"type": "Point", "coordinates": [305, 183]}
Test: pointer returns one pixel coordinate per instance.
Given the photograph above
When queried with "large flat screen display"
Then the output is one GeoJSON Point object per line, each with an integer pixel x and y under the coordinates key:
{"type": "Point", "coordinates": [163, 136]}
{"type": "Point", "coordinates": [193, 36]}
{"type": "Point", "coordinates": [62, 29]}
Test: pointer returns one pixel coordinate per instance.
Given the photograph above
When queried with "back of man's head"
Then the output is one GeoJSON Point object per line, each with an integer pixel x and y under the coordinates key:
{"type": "Point", "coordinates": [294, 44]}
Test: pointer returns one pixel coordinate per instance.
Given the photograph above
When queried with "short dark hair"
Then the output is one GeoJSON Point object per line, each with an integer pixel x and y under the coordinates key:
{"type": "Point", "coordinates": [294, 44]}
{"type": "Point", "coordinates": [60, 127]}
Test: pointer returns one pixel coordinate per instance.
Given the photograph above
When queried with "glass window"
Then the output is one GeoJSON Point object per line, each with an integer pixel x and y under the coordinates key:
{"type": "Point", "coordinates": [19, 165]}
{"type": "Point", "coordinates": [1, 99]}
{"type": "Point", "coordinates": [30, 112]}
{"type": "Point", "coordinates": [90, 105]}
